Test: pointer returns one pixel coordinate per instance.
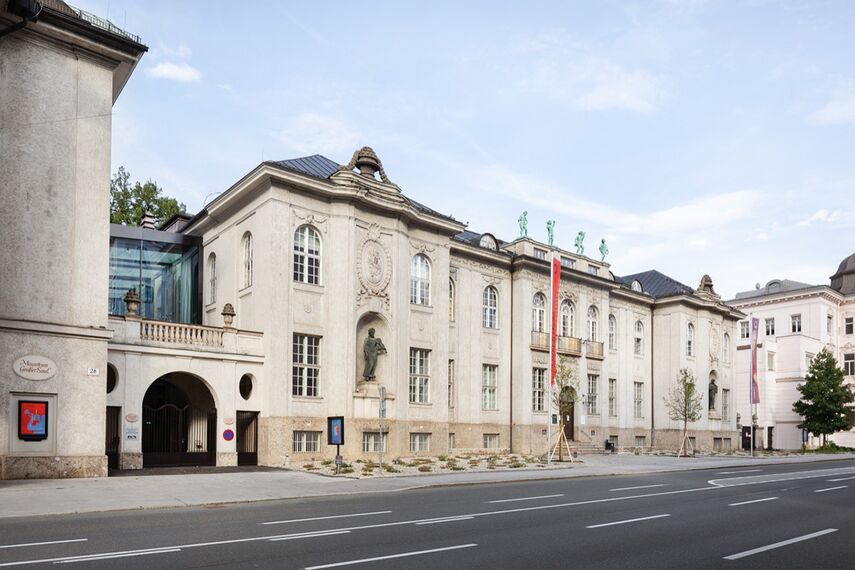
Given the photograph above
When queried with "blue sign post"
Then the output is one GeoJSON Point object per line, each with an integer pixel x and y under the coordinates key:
{"type": "Point", "coordinates": [335, 436]}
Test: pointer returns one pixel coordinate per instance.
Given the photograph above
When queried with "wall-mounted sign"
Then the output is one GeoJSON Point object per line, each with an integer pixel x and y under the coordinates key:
{"type": "Point", "coordinates": [228, 435]}
{"type": "Point", "coordinates": [93, 372]}
{"type": "Point", "coordinates": [228, 420]}
{"type": "Point", "coordinates": [34, 367]}
{"type": "Point", "coordinates": [32, 420]}
{"type": "Point", "coordinates": [335, 430]}
{"type": "Point", "coordinates": [132, 432]}
{"type": "Point", "coordinates": [132, 418]}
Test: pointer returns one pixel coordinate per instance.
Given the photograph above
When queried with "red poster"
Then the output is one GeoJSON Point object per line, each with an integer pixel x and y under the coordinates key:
{"type": "Point", "coordinates": [556, 282]}
{"type": "Point", "coordinates": [32, 420]}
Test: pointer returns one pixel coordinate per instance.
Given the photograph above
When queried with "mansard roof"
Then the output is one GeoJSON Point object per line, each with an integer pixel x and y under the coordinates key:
{"type": "Point", "coordinates": [656, 284]}
{"type": "Point", "coordinates": [772, 287]}
{"type": "Point", "coordinates": [844, 280]}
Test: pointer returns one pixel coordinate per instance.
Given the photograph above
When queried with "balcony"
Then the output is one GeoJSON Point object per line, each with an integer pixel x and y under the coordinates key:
{"type": "Point", "coordinates": [570, 345]}
{"type": "Point", "coordinates": [594, 349]}
{"type": "Point", "coordinates": [540, 340]}
{"type": "Point", "coordinates": [181, 336]}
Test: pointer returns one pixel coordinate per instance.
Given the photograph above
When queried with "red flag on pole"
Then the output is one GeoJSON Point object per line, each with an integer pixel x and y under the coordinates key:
{"type": "Point", "coordinates": [556, 281]}
{"type": "Point", "coordinates": [755, 388]}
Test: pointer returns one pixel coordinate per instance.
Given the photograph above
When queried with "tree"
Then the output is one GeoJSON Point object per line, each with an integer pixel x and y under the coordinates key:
{"type": "Point", "coordinates": [684, 404]}
{"type": "Point", "coordinates": [825, 399]}
{"type": "Point", "coordinates": [129, 202]}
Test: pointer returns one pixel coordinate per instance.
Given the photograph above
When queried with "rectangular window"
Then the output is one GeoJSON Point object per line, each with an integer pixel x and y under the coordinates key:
{"type": "Point", "coordinates": [613, 439]}
{"type": "Point", "coordinates": [725, 444]}
{"type": "Point", "coordinates": [306, 442]}
{"type": "Point", "coordinates": [567, 262]}
{"type": "Point", "coordinates": [796, 321]}
{"type": "Point", "coordinates": [612, 397]}
{"type": "Point", "coordinates": [770, 327]}
{"type": "Point", "coordinates": [491, 441]}
{"type": "Point", "coordinates": [539, 253]}
{"type": "Point", "coordinates": [849, 364]}
{"type": "Point", "coordinates": [538, 389]}
{"type": "Point", "coordinates": [306, 369]}
{"type": "Point", "coordinates": [593, 382]}
{"type": "Point", "coordinates": [743, 329]}
{"type": "Point", "coordinates": [451, 384]}
{"type": "Point", "coordinates": [829, 323]}
{"type": "Point", "coordinates": [372, 442]}
{"type": "Point", "coordinates": [451, 440]}
{"type": "Point", "coordinates": [725, 404]}
{"type": "Point", "coordinates": [770, 361]}
{"type": "Point", "coordinates": [693, 443]}
{"type": "Point", "coordinates": [593, 270]}
{"type": "Point", "coordinates": [419, 376]}
{"type": "Point", "coordinates": [850, 325]}
{"type": "Point", "coordinates": [640, 441]}
{"type": "Point", "coordinates": [419, 442]}
{"type": "Point", "coordinates": [716, 444]}
{"type": "Point", "coordinates": [638, 399]}
{"type": "Point", "coordinates": [808, 360]}
{"type": "Point", "coordinates": [489, 374]}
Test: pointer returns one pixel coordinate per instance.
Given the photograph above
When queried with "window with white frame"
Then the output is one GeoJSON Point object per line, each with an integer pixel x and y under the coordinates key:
{"type": "Point", "coordinates": [638, 345]}
{"type": "Point", "coordinates": [849, 325]}
{"type": "Point", "coordinates": [538, 313]}
{"type": "Point", "coordinates": [640, 441]}
{"type": "Point", "coordinates": [593, 270]}
{"type": "Point", "coordinates": [488, 242]}
{"type": "Point", "coordinates": [770, 327]}
{"type": "Point", "coordinates": [638, 399]}
{"type": "Point", "coordinates": [306, 442]}
{"type": "Point", "coordinates": [306, 365]}
{"type": "Point", "coordinates": [491, 441]}
{"type": "Point", "coordinates": [450, 383]}
{"type": "Point", "coordinates": [539, 253]}
{"type": "Point", "coordinates": [567, 262]}
{"type": "Point", "coordinates": [796, 323]}
{"type": "Point", "coordinates": [212, 278]}
{"type": "Point", "coordinates": [593, 323]}
{"type": "Point", "coordinates": [829, 323]}
{"type": "Point", "coordinates": [419, 376]}
{"type": "Point", "coordinates": [725, 349]}
{"type": "Point", "coordinates": [612, 332]}
{"type": "Point", "coordinates": [770, 361]}
{"type": "Point", "coordinates": [419, 442]}
{"type": "Point", "coordinates": [372, 442]}
{"type": "Point", "coordinates": [725, 404]}
{"type": "Point", "coordinates": [420, 280]}
{"type": "Point", "coordinates": [489, 386]}
{"type": "Point", "coordinates": [490, 308]}
{"type": "Point", "coordinates": [538, 389]}
{"type": "Point", "coordinates": [808, 360]}
{"type": "Point", "coordinates": [307, 255]}
{"type": "Point", "coordinates": [567, 318]}
{"type": "Point", "coordinates": [743, 329]}
{"type": "Point", "coordinates": [636, 286]}
{"type": "Point", "coordinates": [246, 260]}
{"type": "Point", "coordinates": [849, 364]}
{"type": "Point", "coordinates": [613, 397]}
{"type": "Point", "coordinates": [690, 340]}
{"type": "Point", "coordinates": [451, 440]}
{"type": "Point", "coordinates": [451, 300]}
{"type": "Point", "coordinates": [593, 383]}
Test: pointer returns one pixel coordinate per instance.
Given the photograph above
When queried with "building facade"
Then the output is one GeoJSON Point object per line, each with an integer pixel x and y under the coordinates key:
{"type": "Point", "coordinates": [797, 320]}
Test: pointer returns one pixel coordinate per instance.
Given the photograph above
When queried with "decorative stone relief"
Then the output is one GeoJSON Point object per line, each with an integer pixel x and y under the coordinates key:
{"type": "Point", "coordinates": [422, 247]}
{"type": "Point", "coordinates": [483, 267]}
{"type": "Point", "coordinates": [492, 280]}
{"type": "Point", "coordinates": [313, 219]}
{"type": "Point", "coordinates": [595, 365]}
{"type": "Point", "coordinates": [373, 267]}
{"type": "Point", "coordinates": [715, 342]}
{"type": "Point", "coordinates": [539, 358]}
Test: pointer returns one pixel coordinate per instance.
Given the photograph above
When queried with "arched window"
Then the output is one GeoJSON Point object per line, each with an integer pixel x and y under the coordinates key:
{"type": "Point", "coordinates": [307, 255]}
{"type": "Point", "coordinates": [636, 286]}
{"type": "Point", "coordinates": [567, 318]}
{"type": "Point", "coordinates": [690, 340]}
{"type": "Point", "coordinates": [246, 260]}
{"type": "Point", "coordinates": [612, 333]}
{"type": "Point", "coordinates": [725, 349]}
{"type": "Point", "coordinates": [420, 280]}
{"type": "Point", "coordinates": [538, 313]}
{"type": "Point", "coordinates": [593, 323]}
{"type": "Point", "coordinates": [451, 300]}
{"type": "Point", "coordinates": [212, 278]}
{"type": "Point", "coordinates": [639, 338]}
{"type": "Point", "coordinates": [490, 308]}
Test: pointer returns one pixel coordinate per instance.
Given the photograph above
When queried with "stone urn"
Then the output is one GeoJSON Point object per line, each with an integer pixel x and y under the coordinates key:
{"type": "Point", "coordinates": [132, 303]}
{"type": "Point", "coordinates": [228, 315]}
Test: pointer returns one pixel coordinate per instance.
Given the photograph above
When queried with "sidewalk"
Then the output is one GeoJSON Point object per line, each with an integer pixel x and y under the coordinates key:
{"type": "Point", "coordinates": [66, 496]}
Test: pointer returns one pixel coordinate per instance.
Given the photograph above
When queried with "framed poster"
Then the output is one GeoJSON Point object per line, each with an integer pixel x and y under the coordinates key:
{"type": "Point", "coordinates": [32, 420]}
{"type": "Point", "coordinates": [335, 430]}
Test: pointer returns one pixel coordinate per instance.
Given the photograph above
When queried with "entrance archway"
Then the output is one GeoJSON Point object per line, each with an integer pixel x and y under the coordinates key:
{"type": "Point", "coordinates": [179, 422]}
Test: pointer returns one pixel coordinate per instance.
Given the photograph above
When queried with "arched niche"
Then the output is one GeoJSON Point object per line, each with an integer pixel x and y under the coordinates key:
{"type": "Point", "coordinates": [383, 370]}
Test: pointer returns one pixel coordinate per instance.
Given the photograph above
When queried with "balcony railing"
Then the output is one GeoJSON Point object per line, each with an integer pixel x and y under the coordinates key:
{"type": "Point", "coordinates": [179, 333]}
{"type": "Point", "coordinates": [570, 345]}
{"type": "Point", "coordinates": [539, 340]}
{"type": "Point", "coordinates": [594, 349]}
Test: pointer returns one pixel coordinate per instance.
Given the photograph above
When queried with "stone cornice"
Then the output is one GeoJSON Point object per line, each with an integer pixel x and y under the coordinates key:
{"type": "Point", "coordinates": [820, 291]}
{"type": "Point", "coordinates": [699, 303]}
{"type": "Point", "coordinates": [56, 329]}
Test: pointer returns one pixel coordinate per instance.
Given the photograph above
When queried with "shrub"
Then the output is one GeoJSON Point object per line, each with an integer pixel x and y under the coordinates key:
{"type": "Point", "coordinates": [425, 468]}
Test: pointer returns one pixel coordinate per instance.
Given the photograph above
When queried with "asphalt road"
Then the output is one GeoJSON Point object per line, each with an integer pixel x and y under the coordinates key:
{"type": "Point", "coordinates": [778, 516]}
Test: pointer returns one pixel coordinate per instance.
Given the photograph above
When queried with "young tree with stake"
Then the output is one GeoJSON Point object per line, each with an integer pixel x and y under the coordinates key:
{"type": "Point", "coordinates": [684, 405]}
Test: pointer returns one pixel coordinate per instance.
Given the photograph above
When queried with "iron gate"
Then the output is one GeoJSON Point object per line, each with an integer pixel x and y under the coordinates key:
{"type": "Point", "coordinates": [247, 438]}
{"type": "Point", "coordinates": [174, 436]}
{"type": "Point", "coordinates": [111, 445]}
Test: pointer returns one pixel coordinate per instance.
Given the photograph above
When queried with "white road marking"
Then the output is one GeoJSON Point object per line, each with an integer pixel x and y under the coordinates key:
{"type": "Point", "coordinates": [391, 556]}
{"type": "Point", "coordinates": [751, 502]}
{"type": "Point", "coordinates": [779, 544]}
{"type": "Point", "coordinates": [43, 543]}
{"type": "Point", "coordinates": [778, 477]}
{"type": "Point", "coordinates": [627, 521]}
{"type": "Point", "coordinates": [841, 479]}
{"type": "Point", "coordinates": [329, 517]}
{"type": "Point", "coordinates": [310, 535]}
{"type": "Point", "coordinates": [639, 487]}
{"type": "Point", "coordinates": [440, 521]}
{"type": "Point", "coordinates": [737, 472]}
{"type": "Point", "coordinates": [526, 498]}
{"type": "Point", "coordinates": [830, 489]}
{"type": "Point", "coordinates": [108, 557]}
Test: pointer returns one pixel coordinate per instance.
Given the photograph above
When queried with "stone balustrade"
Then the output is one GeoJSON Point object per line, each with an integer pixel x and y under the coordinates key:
{"type": "Point", "coordinates": [132, 330]}
{"type": "Point", "coordinates": [180, 333]}
{"type": "Point", "coordinates": [594, 349]}
{"type": "Point", "coordinates": [569, 345]}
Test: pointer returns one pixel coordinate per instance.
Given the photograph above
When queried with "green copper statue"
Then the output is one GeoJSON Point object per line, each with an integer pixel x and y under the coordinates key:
{"type": "Point", "coordinates": [580, 245]}
{"type": "Point", "coordinates": [604, 249]}
{"type": "Point", "coordinates": [550, 230]}
{"type": "Point", "coordinates": [523, 220]}
{"type": "Point", "coordinates": [371, 348]}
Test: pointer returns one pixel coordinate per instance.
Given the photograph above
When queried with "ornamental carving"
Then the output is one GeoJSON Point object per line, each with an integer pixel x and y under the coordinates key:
{"type": "Point", "coordinates": [313, 219]}
{"type": "Point", "coordinates": [483, 267]}
{"type": "Point", "coordinates": [373, 266]}
{"type": "Point", "coordinates": [715, 342]}
{"type": "Point", "coordinates": [422, 247]}
{"type": "Point", "coordinates": [492, 280]}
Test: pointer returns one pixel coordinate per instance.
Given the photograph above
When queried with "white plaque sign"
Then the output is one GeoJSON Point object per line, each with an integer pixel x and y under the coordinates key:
{"type": "Point", "coordinates": [34, 367]}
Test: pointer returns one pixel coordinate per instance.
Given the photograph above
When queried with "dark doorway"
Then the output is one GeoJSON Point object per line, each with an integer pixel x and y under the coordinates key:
{"type": "Point", "coordinates": [567, 403]}
{"type": "Point", "coordinates": [769, 439]}
{"type": "Point", "coordinates": [247, 438]}
{"type": "Point", "coordinates": [111, 445]}
{"type": "Point", "coordinates": [179, 423]}
{"type": "Point", "coordinates": [746, 438]}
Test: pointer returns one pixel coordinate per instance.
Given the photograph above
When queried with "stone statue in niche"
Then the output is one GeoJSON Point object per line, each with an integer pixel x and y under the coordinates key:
{"type": "Point", "coordinates": [713, 393]}
{"type": "Point", "coordinates": [371, 349]}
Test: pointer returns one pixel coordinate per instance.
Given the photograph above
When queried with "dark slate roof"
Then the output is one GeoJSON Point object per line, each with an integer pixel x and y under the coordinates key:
{"type": "Point", "coordinates": [474, 238]}
{"type": "Point", "coordinates": [657, 284]}
{"type": "Point", "coordinates": [316, 165]}
{"type": "Point", "coordinates": [772, 287]}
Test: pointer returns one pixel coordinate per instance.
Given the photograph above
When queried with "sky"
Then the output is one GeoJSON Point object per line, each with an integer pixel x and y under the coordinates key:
{"type": "Point", "coordinates": [694, 136]}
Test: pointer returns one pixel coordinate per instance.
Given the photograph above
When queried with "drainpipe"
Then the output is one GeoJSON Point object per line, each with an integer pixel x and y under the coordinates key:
{"type": "Point", "coordinates": [29, 10]}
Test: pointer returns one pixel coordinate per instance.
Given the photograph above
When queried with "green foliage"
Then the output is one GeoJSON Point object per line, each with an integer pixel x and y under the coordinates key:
{"type": "Point", "coordinates": [683, 400]}
{"type": "Point", "coordinates": [425, 468]}
{"type": "Point", "coordinates": [825, 401]}
{"type": "Point", "coordinates": [128, 202]}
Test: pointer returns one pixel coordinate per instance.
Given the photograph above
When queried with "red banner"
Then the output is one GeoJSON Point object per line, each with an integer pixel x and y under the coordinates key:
{"type": "Point", "coordinates": [755, 388]}
{"type": "Point", "coordinates": [556, 281]}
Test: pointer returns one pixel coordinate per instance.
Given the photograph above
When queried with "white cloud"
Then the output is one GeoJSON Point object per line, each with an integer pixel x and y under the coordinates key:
{"type": "Point", "coordinates": [613, 87]}
{"type": "Point", "coordinates": [313, 133]}
{"type": "Point", "coordinates": [175, 71]}
{"type": "Point", "coordinates": [183, 51]}
{"type": "Point", "coordinates": [824, 216]}
{"type": "Point", "coordinates": [839, 111]}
